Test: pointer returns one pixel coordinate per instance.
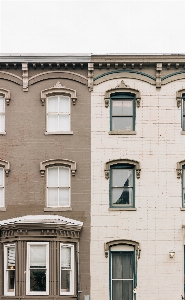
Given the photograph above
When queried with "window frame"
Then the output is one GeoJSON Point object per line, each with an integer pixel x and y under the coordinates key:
{"type": "Point", "coordinates": [119, 97]}
{"type": "Point", "coordinates": [37, 293]}
{"type": "Point", "coordinates": [6, 270]}
{"type": "Point", "coordinates": [72, 281]}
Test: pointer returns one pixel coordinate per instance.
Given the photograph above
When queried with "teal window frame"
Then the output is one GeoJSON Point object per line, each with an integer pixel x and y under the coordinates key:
{"type": "Point", "coordinates": [183, 113]}
{"type": "Point", "coordinates": [121, 97]}
{"type": "Point", "coordinates": [116, 167]}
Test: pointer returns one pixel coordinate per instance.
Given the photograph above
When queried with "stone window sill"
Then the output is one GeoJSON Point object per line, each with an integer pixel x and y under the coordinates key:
{"type": "Point", "coordinates": [57, 209]}
{"type": "Point", "coordinates": [123, 132]}
{"type": "Point", "coordinates": [121, 208]}
{"type": "Point", "coordinates": [59, 132]}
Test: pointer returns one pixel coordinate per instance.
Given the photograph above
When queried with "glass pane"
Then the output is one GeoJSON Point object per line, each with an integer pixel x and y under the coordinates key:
{"type": "Point", "coordinates": [53, 177]}
{"type": "Point", "coordinates": [65, 257]}
{"type": "Point", "coordinates": [64, 122]}
{"type": "Point", "coordinates": [37, 256]}
{"type": "Point", "coordinates": [122, 108]}
{"type": "Point", "coordinates": [64, 104]}
{"type": "Point", "coordinates": [122, 196]}
{"type": "Point", "coordinates": [53, 104]}
{"type": "Point", "coordinates": [1, 197]}
{"type": "Point", "coordinates": [122, 177]}
{"type": "Point", "coordinates": [2, 123]}
{"type": "Point", "coordinates": [38, 280]}
{"type": "Point", "coordinates": [11, 257]}
{"type": "Point", "coordinates": [122, 265]}
{"type": "Point", "coordinates": [122, 123]}
{"type": "Point", "coordinates": [52, 196]}
{"type": "Point", "coordinates": [52, 123]}
{"type": "Point", "coordinates": [11, 280]}
{"type": "Point", "coordinates": [2, 101]}
{"type": "Point", "coordinates": [65, 281]}
{"type": "Point", "coordinates": [64, 177]}
{"type": "Point", "coordinates": [1, 176]}
{"type": "Point", "coordinates": [64, 197]}
{"type": "Point", "coordinates": [122, 290]}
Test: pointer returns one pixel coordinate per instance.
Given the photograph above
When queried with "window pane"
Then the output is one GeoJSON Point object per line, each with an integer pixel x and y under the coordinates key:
{"type": "Point", "coordinates": [64, 197]}
{"type": "Point", "coordinates": [122, 177]}
{"type": "Point", "coordinates": [52, 123]}
{"type": "Point", "coordinates": [122, 196]}
{"type": "Point", "coordinates": [122, 108]}
{"type": "Point", "coordinates": [37, 256]}
{"type": "Point", "coordinates": [1, 197]}
{"type": "Point", "coordinates": [1, 176]}
{"type": "Point", "coordinates": [64, 122]}
{"type": "Point", "coordinates": [2, 123]}
{"type": "Point", "coordinates": [53, 177]}
{"type": "Point", "coordinates": [122, 265]}
{"type": "Point", "coordinates": [64, 177]}
{"type": "Point", "coordinates": [53, 104]}
{"type": "Point", "coordinates": [65, 256]}
{"type": "Point", "coordinates": [65, 281]}
{"type": "Point", "coordinates": [122, 290]}
{"type": "Point", "coordinates": [52, 196]}
{"type": "Point", "coordinates": [122, 123]}
{"type": "Point", "coordinates": [2, 102]}
{"type": "Point", "coordinates": [64, 104]}
{"type": "Point", "coordinates": [37, 280]}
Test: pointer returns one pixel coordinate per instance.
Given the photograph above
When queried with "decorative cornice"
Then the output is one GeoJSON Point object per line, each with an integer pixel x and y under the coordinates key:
{"type": "Point", "coordinates": [179, 96]}
{"type": "Point", "coordinates": [25, 76]}
{"type": "Point", "coordinates": [58, 89]}
{"type": "Point", "coordinates": [121, 242]}
{"type": "Point", "coordinates": [122, 88]}
{"type": "Point", "coordinates": [6, 165]}
{"type": "Point", "coordinates": [179, 168]}
{"type": "Point", "coordinates": [57, 162]}
{"type": "Point", "coordinates": [122, 161]}
{"type": "Point", "coordinates": [6, 95]}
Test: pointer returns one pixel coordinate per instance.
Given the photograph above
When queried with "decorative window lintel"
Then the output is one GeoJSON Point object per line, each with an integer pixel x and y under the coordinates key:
{"type": "Point", "coordinates": [179, 168]}
{"type": "Point", "coordinates": [58, 89]}
{"type": "Point", "coordinates": [58, 162]}
{"type": "Point", "coordinates": [122, 88]}
{"type": "Point", "coordinates": [122, 161]}
{"type": "Point", "coordinates": [6, 165]}
{"type": "Point", "coordinates": [6, 95]}
{"type": "Point", "coordinates": [121, 242]}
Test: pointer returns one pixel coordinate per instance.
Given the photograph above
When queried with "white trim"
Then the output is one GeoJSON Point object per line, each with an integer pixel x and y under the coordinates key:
{"type": "Point", "coordinates": [6, 292]}
{"type": "Point", "coordinates": [71, 292]}
{"type": "Point", "coordinates": [28, 292]}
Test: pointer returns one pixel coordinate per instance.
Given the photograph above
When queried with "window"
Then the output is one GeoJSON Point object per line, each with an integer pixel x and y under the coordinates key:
{"type": "Point", "coordinates": [9, 270]}
{"type": "Point", "coordinates": [58, 186]}
{"type": "Point", "coordinates": [122, 112]}
{"type": "Point", "coordinates": [37, 268]}
{"type": "Point", "coordinates": [1, 187]}
{"type": "Point", "coordinates": [122, 186]}
{"type": "Point", "coordinates": [66, 269]}
{"type": "Point", "coordinates": [2, 114]}
{"type": "Point", "coordinates": [122, 272]}
{"type": "Point", "coordinates": [58, 113]}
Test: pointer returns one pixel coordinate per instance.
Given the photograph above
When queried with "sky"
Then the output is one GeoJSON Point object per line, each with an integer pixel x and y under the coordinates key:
{"type": "Point", "coordinates": [98, 27]}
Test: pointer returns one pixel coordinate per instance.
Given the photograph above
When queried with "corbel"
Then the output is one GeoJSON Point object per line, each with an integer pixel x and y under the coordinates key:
{"type": "Point", "coordinates": [90, 76]}
{"type": "Point", "coordinates": [158, 74]}
{"type": "Point", "coordinates": [168, 66]}
{"type": "Point", "coordinates": [25, 76]}
{"type": "Point", "coordinates": [58, 66]}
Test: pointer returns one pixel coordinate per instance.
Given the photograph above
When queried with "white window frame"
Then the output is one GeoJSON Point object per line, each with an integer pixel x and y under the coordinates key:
{"type": "Point", "coordinates": [2, 113]}
{"type": "Point", "coordinates": [6, 292]}
{"type": "Point", "coordinates": [58, 167]}
{"type": "Point", "coordinates": [28, 292]}
{"type": "Point", "coordinates": [3, 186]}
{"type": "Point", "coordinates": [58, 113]}
{"type": "Point", "coordinates": [71, 292]}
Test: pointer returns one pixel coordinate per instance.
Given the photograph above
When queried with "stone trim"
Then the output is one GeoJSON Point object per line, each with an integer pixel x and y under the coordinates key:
{"type": "Point", "coordinates": [58, 89]}
{"type": "Point", "coordinates": [107, 245]}
{"type": "Point", "coordinates": [6, 165]}
{"type": "Point", "coordinates": [179, 168]}
{"type": "Point", "coordinates": [122, 161]}
{"type": "Point", "coordinates": [122, 88]}
{"type": "Point", "coordinates": [57, 162]}
{"type": "Point", "coordinates": [179, 96]}
{"type": "Point", "coordinates": [5, 94]}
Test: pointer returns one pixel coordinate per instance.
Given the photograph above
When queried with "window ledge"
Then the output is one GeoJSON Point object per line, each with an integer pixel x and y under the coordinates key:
{"type": "Point", "coordinates": [2, 133]}
{"type": "Point", "coordinates": [59, 132]}
{"type": "Point", "coordinates": [57, 209]}
{"type": "Point", "coordinates": [121, 208]}
{"type": "Point", "coordinates": [2, 208]}
{"type": "Point", "coordinates": [183, 132]}
{"type": "Point", "coordinates": [126, 132]}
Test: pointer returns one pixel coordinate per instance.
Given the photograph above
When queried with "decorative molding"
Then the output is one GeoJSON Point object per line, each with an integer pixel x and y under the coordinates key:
{"type": "Point", "coordinates": [122, 88]}
{"type": "Point", "coordinates": [158, 74]}
{"type": "Point", "coordinates": [179, 96]}
{"type": "Point", "coordinates": [58, 89]}
{"type": "Point", "coordinates": [122, 161]}
{"type": "Point", "coordinates": [6, 165]}
{"type": "Point", "coordinates": [179, 168]}
{"type": "Point", "coordinates": [90, 76]}
{"type": "Point", "coordinates": [6, 95]}
{"type": "Point", "coordinates": [121, 242]}
{"type": "Point", "coordinates": [25, 76]}
{"type": "Point", "coordinates": [57, 162]}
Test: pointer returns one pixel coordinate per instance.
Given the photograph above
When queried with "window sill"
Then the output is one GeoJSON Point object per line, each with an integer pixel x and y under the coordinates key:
{"type": "Point", "coordinates": [2, 133]}
{"type": "Point", "coordinates": [121, 208]}
{"type": "Point", "coordinates": [2, 208]}
{"type": "Point", "coordinates": [59, 132]}
{"type": "Point", "coordinates": [126, 132]}
{"type": "Point", "coordinates": [57, 209]}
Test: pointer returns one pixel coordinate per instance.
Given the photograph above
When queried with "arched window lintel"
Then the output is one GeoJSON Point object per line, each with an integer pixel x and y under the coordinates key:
{"type": "Point", "coordinates": [57, 162]}
{"type": "Point", "coordinates": [6, 165]}
{"type": "Point", "coordinates": [121, 242]}
{"type": "Point", "coordinates": [122, 161]}
{"type": "Point", "coordinates": [5, 94]}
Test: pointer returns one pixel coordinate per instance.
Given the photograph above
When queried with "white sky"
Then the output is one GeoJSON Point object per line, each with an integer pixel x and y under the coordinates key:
{"type": "Point", "coordinates": [60, 26]}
